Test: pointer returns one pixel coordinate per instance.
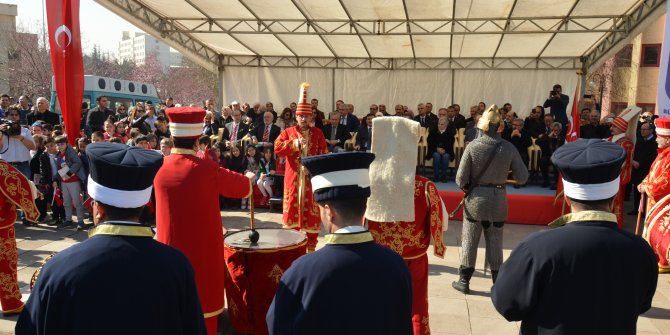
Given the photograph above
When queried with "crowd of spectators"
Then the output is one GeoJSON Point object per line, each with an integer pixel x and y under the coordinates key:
{"type": "Point", "coordinates": [240, 137]}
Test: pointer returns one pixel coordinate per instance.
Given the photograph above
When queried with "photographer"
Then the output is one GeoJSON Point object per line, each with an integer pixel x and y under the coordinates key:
{"type": "Point", "coordinates": [15, 142]}
{"type": "Point", "coordinates": [557, 103]}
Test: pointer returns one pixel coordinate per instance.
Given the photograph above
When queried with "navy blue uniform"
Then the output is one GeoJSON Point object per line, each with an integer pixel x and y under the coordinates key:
{"type": "Point", "coordinates": [119, 281]}
{"type": "Point", "coordinates": [367, 285]}
{"type": "Point", "coordinates": [587, 277]}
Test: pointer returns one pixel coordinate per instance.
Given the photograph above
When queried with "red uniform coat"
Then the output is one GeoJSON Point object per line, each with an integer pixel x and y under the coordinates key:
{"type": "Point", "coordinates": [310, 211]}
{"type": "Point", "coordinates": [624, 178]}
{"type": "Point", "coordinates": [15, 191]}
{"type": "Point", "coordinates": [188, 217]}
{"type": "Point", "coordinates": [658, 179]}
{"type": "Point", "coordinates": [411, 241]}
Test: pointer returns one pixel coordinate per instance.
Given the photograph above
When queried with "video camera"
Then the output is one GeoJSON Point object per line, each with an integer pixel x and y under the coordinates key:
{"type": "Point", "coordinates": [13, 127]}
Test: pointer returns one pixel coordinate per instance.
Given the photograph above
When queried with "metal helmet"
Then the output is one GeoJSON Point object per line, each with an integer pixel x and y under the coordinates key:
{"type": "Point", "coordinates": [490, 116]}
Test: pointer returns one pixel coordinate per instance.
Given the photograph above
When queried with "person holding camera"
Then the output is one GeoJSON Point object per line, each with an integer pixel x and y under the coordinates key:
{"type": "Point", "coordinates": [558, 104]}
{"type": "Point", "coordinates": [15, 142]}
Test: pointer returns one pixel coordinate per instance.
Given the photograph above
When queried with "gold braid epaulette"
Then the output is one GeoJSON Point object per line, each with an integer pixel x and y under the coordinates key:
{"type": "Point", "coordinates": [33, 279]}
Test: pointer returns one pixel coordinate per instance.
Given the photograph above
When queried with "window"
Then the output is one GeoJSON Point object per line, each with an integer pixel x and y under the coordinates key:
{"type": "Point", "coordinates": [651, 55]}
{"type": "Point", "coordinates": [646, 107]}
{"type": "Point", "coordinates": [624, 56]}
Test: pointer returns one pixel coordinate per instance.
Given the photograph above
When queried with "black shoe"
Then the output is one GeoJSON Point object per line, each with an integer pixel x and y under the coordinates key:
{"type": "Point", "coordinates": [82, 226]}
{"type": "Point", "coordinates": [552, 187]}
{"type": "Point", "coordinates": [517, 186]}
{"type": "Point", "coordinates": [28, 223]}
{"type": "Point", "coordinates": [463, 283]}
{"type": "Point", "coordinates": [54, 222]}
{"type": "Point", "coordinates": [494, 276]}
{"type": "Point", "coordinates": [443, 179]}
{"type": "Point", "coordinates": [632, 213]}
{"type": "Point", "coordinates": [65, 224]}
{"type": "Point", "coordinates": [545, 184]}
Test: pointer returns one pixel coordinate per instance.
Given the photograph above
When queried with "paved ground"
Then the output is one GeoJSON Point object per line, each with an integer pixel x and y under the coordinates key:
{"type": "Point", "coordinates": [450, 311]}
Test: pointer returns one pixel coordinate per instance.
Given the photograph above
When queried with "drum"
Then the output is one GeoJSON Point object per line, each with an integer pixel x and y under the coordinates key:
{"type": "Point", "coordinates": [253, 273]}
{"type": "Point", "coordinates": [657, 225]}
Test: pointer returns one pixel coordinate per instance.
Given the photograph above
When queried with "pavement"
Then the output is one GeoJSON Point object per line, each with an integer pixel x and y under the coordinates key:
{"type": "Point", "coordinates": [451, 312]}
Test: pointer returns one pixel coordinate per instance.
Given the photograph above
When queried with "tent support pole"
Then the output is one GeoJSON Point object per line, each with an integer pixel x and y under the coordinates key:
{"type": "Point", "coordinates": [220, 77]}
{"type": "Point", "coordinates": [453, 80]}
{"type": "Point", "coordinates": [332, 92]}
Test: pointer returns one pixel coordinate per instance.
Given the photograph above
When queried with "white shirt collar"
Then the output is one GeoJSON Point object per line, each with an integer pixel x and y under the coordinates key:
{"type": "Point", "coordinates": [351, 229]}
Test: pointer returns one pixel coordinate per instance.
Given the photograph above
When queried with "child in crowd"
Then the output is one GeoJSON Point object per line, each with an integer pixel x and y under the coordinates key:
{"type": "Point", "coordinates": [253, 159]}
{"type": "Point", "coordinates": [152, 142]}
{"type": "Point", "coordinates": [97, 136]}
{"type": "Point", "coordinates": [82, 143]}
{"type": "Point", "coordinates": [134, 133]}
{"type": "Point", "coordinates": [237, 163]}
{"type": "Point", "coordinates": [204, 150]}
{"type": "Point", "coordinates": [220, 153]}
{"type": "Point", "coordinates": [122, 130]}
{"type": "Point", "coordinates": [162, 130]}
{"type": "Point", "coordinates": [48, 184]}
{"type": "Point", "coordinates": [110, 131]}
{"type": "Point", "coordinates": [266, 171]}
{"type": "Point", "coordinates": [70, 174]}
{"type": "Point", "coordinates": [35, 175]}
{"type": "Point", "coordinates": [115, 140]}
{"type": "Point", "coordinates": [166, 146]}
{"type": "Point", "coordinates": [141, 141]}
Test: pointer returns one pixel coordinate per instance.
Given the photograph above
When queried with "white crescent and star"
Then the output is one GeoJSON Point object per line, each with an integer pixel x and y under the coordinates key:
{"type": "Point", "coordinates": [63, 29]}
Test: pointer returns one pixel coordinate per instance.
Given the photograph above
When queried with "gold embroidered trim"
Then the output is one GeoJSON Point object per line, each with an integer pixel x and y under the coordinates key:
{"type": "Point", "coordinates": [268, 251]}
{"type": "Point", "coordinates": [352, 238]}
{"type": "Point", "coordinates": [117, 230]}
{"type": "Point", "coordinates": [182, 151]}
{"type": "Point", "coordinates": [213, 314]}
{"type": "Point", "coordinates": [583, 216]}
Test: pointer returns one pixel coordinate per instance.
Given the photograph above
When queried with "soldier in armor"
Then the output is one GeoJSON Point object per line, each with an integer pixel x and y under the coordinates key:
{"type": "Point", "coordinates": [482, 175]}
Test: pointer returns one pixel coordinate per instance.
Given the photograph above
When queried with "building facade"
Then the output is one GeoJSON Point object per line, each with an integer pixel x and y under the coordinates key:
{"type": "Point", "coordinates": [8, 15]}
{"type": "Point", "coordinates": [137, 47]}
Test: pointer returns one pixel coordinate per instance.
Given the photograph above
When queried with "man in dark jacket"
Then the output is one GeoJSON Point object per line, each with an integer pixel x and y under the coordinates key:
{"type": "Point", "coordinates": [80, 287]}
{"type": "Point", "coordinates": [96, 117]}
{"type": "Point", "coordinates": [570, 280]}
{"type": "Point", "coordinates": [335, 134]}
{"type": "Point", "coordinates": [42, 113]}
{"type": "Point", "coordinates": [364, 135]}
{"type": "Point", "coordinates": [594, 129]}
{"type": "Point", "coordinates": [643, 155]}
{"type": "Point", "coordinates": [558, 103]}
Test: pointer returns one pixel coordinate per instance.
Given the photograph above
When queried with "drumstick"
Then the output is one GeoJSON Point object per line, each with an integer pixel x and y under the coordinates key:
{"type": "Point", "coordinates": [640, 209]}
{"type": "Point", "coordinates": [253, 235]}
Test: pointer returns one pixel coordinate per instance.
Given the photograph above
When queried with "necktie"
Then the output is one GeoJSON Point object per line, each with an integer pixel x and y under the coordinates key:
{"type": "Point", "coordinates": [234, 135]}
{"type": "Point", "coordinates": [343, 121]}
{"type": "Point", "coordinates": [333, 132]}
{"type": "Point", "coordinates": [423, 119]}
{"type": "Point", "coordinates": [266, 133]}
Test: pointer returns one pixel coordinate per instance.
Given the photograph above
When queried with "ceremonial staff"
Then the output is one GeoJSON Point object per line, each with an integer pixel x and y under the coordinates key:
{"type": "Point", "coordinates": [253, 234]}
{"type": "Point", "coordinates": [641, 208]}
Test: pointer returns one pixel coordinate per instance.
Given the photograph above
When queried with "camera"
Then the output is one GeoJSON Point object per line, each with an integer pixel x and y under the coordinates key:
{"type": "Point", "coordinates": [13, 127]}
{"type": "Point", "coordinates": [552, 93]}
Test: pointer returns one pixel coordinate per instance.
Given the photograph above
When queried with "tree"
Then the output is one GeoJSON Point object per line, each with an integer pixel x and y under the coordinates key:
{"type": "Point", "coordinates": [29, 65]}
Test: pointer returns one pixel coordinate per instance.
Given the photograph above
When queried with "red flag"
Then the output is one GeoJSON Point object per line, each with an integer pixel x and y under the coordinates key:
{"type": "Point", "coordinates": [67, 61]}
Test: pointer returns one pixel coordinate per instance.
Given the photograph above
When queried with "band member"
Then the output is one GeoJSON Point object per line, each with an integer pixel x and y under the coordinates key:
{"type": "Point", "coordinates": [295, 143]}
{"type": "Point", "coordinates": [482, 174]}
{"type": "Point", "coordinates": [623, 133]}
{"type": "Point", "coordinates": [120, 268]}
{"type": "Point", "coordinates": [364, 286]}
{"type": "Point", "coordinates": [404, 210]}
{"type": "Point", "coordinates": [15, 191]}
{"type": "Point", "coordinates": [187, 207]}
{"type": "Point", "coordinates": [657, 186]}
{"type": "Point", "coordinates": [587, 276]}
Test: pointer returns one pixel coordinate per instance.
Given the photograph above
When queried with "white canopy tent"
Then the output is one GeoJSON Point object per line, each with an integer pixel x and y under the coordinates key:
{"type": "Point", "coordinates": [393, 51]}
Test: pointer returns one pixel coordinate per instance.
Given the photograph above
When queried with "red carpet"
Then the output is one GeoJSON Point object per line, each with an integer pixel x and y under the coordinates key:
{"type": "Point", "coordinates": [522, 209]}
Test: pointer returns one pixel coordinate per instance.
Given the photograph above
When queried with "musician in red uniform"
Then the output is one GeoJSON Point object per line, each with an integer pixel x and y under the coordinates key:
{"type": "Point", "coordinates": [404, 219]}
{"type": "Point", "coordinates": [656, 186]}
{"type": "Point", "coordinates": [15, 191]}
{"type": "Point", "coordinates": [623, 131]}
{"type": "Point", "coordinates": [187, 208]}
{"type": "Point", "coordinates": [300, 210]}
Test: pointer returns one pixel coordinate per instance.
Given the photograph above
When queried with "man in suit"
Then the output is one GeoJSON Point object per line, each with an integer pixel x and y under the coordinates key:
{"type": "Point", "coordinates": [571, 279]}
{"type": "Point", "coordinates": [335, 134]}
{"type": "Point", "coordinates": [455, 119]}
{"type": "Point", "coordinates": [322, 285]}
{"type": "Point", "coordinates": [364, 135]}
{"type": "Point", "coordinates": [594, 129]}
{"type": "Point", "coordinates": [423, 118]}
{"type": "Point", "coordinates": [348, 119]}
{"type": "Point", "coordinates": [549, 139]}
{"type": "Point", "coordinates": [646, 150]}
{"type": "Point", "coordinates": [236, 130]}
{"type": "Point", "coordinates": [266, 132]}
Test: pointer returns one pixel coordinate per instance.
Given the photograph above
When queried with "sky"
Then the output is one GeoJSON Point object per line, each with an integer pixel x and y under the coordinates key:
{"type": "Point", "coordinates": [98, 25]}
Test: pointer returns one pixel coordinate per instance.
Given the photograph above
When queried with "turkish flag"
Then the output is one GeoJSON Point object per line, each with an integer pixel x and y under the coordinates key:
{"type": "Point", "coordinates": [572, 132]}
{"type": "Point", "coordinates": [67, 61]}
